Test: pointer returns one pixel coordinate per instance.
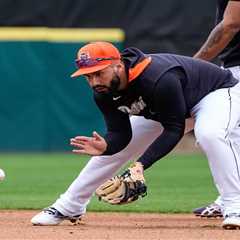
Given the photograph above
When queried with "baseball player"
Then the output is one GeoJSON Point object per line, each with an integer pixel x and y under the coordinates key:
{"type": "Point", "coordinates": [224, 42]}
{"type": "Point", "coordinates": [164, 89]}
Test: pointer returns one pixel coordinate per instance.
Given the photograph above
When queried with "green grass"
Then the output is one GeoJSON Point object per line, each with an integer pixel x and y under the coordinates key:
{"type": "Point", "coordinates": [177, 183]}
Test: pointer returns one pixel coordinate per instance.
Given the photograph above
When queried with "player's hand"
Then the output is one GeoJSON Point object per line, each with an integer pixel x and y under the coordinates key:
{"type": "Point", "coordinates": [95, 145]}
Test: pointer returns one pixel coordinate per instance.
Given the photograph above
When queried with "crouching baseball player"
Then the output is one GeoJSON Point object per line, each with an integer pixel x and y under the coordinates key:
{"type": "Point", "coordinates": [159, 92]}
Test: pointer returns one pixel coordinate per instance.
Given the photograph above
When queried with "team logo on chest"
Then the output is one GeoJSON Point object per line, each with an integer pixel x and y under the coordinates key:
{"type": "Point", "coordinates": [135, 108]}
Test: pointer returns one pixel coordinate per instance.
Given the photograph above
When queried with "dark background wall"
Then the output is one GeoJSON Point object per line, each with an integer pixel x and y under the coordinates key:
{"type": "Point", "coordinates": [177, 26]}
{"type": "Point", "coordinates": [40, 106]}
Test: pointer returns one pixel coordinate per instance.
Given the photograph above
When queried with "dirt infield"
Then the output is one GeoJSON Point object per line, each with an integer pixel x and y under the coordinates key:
{"type": "Point", "coordinates": [16, 225]}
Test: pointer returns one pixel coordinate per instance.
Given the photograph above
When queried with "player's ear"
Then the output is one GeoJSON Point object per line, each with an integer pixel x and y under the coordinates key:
{"type": "Point", "coordinates": [116, 68]}
{"type": "Point", "coordinates": [119, 67]}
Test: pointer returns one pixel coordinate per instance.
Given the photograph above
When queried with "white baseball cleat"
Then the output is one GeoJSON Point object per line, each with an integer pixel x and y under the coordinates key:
{"type": "Point", "coordinates": [231, 221]}
{"type": "Point", "coordinates": [51, 216]}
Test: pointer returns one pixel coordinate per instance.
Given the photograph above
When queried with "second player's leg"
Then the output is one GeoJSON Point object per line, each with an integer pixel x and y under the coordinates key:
{"type": "Point", "coordinates": [217, 117]}
{"type": "Point", "coordinates": [214, 209]}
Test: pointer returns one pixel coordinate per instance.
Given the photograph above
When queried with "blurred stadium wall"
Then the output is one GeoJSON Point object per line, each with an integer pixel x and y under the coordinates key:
{"type": "Point", "coordinates": [41, 107]}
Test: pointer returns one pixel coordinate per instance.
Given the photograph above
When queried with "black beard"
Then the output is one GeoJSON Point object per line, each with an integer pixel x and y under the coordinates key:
{"type": "Point", "coordinates": [114, 85]}
{"type": "Point", "coordinates": [113, 89]}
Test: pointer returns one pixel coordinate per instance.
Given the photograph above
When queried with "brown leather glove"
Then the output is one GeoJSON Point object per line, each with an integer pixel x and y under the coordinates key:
{"type": "Point", "coordinates": [124, 188]}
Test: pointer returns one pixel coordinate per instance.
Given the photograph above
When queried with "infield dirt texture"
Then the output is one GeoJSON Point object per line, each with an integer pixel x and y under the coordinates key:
{"type": "Point", "coordinates": [108, 226]}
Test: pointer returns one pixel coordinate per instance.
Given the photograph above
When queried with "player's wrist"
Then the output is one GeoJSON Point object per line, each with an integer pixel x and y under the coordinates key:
{"type": "Point", "coordinates": [137, 171]}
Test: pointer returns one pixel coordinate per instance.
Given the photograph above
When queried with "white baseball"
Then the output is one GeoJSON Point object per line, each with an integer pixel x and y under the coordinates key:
{"type": "Point", "coordinates": [2, 175]}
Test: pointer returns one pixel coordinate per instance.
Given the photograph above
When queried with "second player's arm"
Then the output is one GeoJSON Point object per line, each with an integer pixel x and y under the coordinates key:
{"type": "Point", "coordinates": [223, 32]}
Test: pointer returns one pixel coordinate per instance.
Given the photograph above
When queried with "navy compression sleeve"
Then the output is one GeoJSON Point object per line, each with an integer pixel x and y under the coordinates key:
{"type": "Point", "coordinates": [169, 104]}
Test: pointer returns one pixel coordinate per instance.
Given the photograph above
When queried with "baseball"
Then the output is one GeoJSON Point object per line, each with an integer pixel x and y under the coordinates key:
{"type": "Point", "coordinates": [2, 175]}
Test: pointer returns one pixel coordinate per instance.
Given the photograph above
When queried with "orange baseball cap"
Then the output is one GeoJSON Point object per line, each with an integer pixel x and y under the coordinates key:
{"type": "Point", "coordinates": [95, 56]}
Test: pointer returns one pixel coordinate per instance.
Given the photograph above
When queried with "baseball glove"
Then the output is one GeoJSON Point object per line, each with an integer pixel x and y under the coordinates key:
{"type": "Point", "coordinates": [124, 188]}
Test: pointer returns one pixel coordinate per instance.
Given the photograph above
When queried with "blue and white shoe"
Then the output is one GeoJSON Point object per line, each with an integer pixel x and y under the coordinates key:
{"type": "Point", "coordinates": [213, 210]}
{"type": "Point", "coordinates": [51, 216]}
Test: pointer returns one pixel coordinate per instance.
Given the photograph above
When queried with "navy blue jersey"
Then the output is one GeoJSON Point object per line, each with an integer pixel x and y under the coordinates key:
{"type": "Point", "coordinates": [230, 56]}
{"type": "Point", "coordinates": [166, 90]}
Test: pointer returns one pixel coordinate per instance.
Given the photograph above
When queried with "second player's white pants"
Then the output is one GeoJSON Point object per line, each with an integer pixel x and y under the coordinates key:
{"type": "Point", "coordinates": [236, 135]}
{"type": "Point", "coordinates": [217, 119]}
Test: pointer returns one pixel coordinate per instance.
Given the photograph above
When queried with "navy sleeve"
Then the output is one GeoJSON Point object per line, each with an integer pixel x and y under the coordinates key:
{"type": "Point", "coordinates": [169, 105]}
{"type": "Point", "coordinates": [119, 131]}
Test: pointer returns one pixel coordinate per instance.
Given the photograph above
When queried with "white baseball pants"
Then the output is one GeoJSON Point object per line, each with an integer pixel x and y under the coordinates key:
{"type": "Point", "coordinates": [101, 168]}
{"type": "Point", "coordinates": [236, 135]}
{"type": "Point", "coordinates": [217, 119]}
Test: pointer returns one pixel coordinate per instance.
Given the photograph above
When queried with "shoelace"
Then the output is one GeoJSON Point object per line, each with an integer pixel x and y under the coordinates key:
{"type": "Point", "coordinates": [213, 207]}
{"type": "Point", "coordinates": [51, 211]}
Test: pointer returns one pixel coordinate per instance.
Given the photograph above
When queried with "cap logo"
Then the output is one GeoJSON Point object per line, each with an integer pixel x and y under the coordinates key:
{"type": "Point", "coordinates": [84, 56]}
{"type": "Point", "coordinates": [84, 60]}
